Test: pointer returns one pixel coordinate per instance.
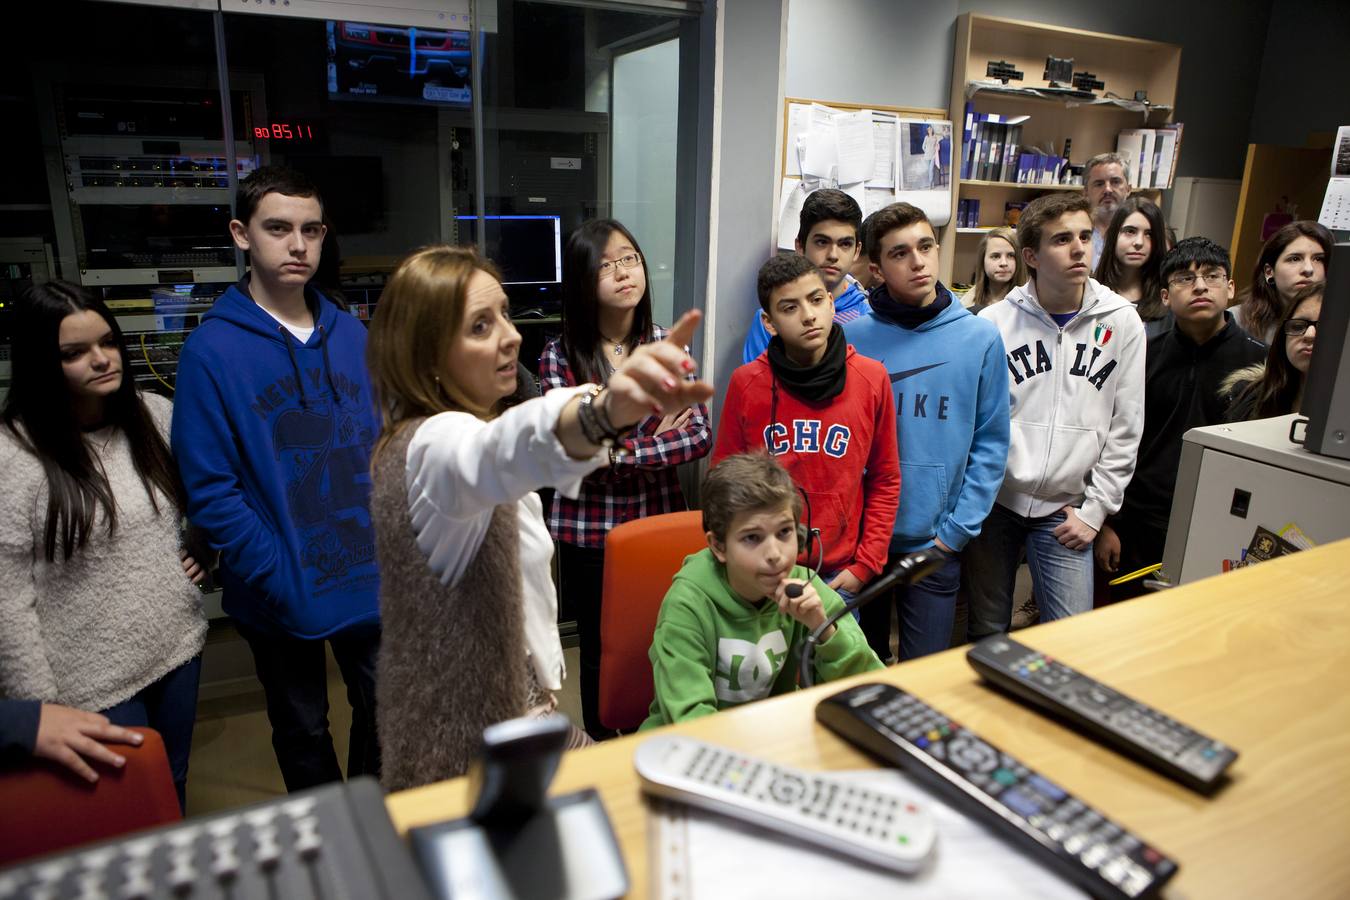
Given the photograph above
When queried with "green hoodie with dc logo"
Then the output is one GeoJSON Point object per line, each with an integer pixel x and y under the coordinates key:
{"type": "Point", "coordinates": [712, 650]}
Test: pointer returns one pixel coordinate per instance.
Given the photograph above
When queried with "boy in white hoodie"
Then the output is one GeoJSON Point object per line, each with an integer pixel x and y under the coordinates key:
{"type": "Point", "coordinates": [1075, 354]}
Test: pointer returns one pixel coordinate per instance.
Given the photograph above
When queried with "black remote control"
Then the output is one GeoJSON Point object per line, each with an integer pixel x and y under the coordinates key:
{"type": "Point", "coordinates": [1121, 722]}
{"type": "Point", "coordinates": [1027, 809]}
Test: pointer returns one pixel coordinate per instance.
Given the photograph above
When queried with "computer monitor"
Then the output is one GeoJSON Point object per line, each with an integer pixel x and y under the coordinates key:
{"type": "Point", "coordinates": [1326, 393]}
{"type": "Point", "coordinates": [527, 249]}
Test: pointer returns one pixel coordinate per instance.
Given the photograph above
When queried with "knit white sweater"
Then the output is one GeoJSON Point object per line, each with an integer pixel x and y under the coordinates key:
{"type": "Point", "coordinates": [118, 615]}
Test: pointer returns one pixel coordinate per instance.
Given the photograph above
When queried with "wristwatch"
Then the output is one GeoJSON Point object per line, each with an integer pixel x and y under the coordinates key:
{"type": "Point", "coordinates": [595, 423]}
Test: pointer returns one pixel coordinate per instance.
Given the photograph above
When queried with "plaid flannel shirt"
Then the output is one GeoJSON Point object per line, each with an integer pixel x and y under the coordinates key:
{"type": "Point", "coordinates": [642, 483]}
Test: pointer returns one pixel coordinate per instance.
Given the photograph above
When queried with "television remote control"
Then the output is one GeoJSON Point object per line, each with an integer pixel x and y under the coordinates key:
{"type": "Point", "coordinates": [980, 780]}
{"type": "Point", "coordinates": [1121, 722]}
{"type": "Point", "coordinates": [868, 823]}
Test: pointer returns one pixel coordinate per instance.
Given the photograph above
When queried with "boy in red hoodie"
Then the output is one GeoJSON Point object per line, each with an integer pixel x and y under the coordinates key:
{"type": "Point", "coordinates": [827, 414]}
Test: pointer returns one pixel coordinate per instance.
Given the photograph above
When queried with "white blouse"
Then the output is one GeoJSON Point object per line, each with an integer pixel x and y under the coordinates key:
{"type": "Point", "coordinates": [460, 467]}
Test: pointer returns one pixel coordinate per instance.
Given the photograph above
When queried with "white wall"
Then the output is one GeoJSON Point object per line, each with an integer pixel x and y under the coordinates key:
{"type": "Point", "coordinates": [749, 100]}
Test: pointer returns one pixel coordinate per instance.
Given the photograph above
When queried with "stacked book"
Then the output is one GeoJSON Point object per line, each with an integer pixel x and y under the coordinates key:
{"type": "Point", "coordinates": [1152, 154]}
{"type": "Point", "coordinates": [991, 146]}
{"type": "Point", "coordinates": [968, 213]}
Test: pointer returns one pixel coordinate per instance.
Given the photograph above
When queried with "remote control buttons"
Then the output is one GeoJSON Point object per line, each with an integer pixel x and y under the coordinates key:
{"type": "Point", "coordinates": [787, 788]}
{"type": "Point", "coordinates": [972, 754]}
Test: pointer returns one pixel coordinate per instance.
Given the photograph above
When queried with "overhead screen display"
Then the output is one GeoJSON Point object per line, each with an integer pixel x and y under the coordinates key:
{"type": "Point", "coordinates": [397, 63]}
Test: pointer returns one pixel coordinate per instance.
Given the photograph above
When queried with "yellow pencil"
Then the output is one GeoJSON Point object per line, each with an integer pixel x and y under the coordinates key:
{"type": "Point", "coordinates": [1138, 573]}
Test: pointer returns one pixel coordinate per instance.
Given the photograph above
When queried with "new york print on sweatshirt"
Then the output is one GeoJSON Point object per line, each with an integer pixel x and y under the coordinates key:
{"type": "Point", "coordinates": [273, 439]}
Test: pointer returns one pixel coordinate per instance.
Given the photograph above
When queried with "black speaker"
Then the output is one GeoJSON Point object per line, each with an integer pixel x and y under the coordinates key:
{"type": "Point", "coordinates": [1326, 396]}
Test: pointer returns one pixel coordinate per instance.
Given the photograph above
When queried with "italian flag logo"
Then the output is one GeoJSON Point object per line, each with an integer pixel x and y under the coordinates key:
{"type": "Point", "coordinates": [1102, 334]}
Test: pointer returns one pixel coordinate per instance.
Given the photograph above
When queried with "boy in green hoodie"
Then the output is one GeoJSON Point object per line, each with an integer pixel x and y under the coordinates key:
{"type": "Point", "coordinates": [728, 632]}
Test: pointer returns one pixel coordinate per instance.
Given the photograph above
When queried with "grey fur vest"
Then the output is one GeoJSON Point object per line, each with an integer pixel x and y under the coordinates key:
{"type": "Point", "coordinates": [452, 657]}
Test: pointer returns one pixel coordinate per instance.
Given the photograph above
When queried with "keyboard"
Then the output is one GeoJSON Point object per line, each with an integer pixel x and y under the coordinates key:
{"type": "Point", "coordinates": [334, 841]}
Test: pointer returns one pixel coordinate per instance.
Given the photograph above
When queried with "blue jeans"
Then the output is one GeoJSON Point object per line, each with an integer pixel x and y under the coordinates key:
{"type": "Point", "coordinates": [294, 676]}
{"type": "Point", "coordinates": [170, 707]}
{"type": "Point", "coordinates": [1060, 577]}
{"type": "Point", "coordinates": [845, 596]}
{"type": "Point", "coordinates": [926, 610]}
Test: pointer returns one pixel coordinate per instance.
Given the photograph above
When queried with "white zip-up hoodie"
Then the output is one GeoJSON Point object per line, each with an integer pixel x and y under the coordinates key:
{"type": "Point", "coordinates": [1077, 397]}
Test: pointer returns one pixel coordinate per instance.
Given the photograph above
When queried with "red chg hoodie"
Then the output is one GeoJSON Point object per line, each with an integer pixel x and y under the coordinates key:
{"type": "Point", "coordinates": [841, 452]}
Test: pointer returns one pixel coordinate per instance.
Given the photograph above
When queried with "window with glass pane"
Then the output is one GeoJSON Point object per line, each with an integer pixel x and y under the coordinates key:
{"type": "Point", "coordinates": [580, 106]}
{"type": "Point", "coordinates": [372, 112]}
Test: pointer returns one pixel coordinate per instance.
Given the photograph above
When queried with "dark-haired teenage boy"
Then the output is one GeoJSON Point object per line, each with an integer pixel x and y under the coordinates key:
{"type": "Point", "coordinates": [1185, 369]}
{"type": "Point", "coordinates": [1075, 357]}
{"type": "Point", "coordinates": [949, 385]}
{"type": "Point", "coordinates": [273, 427]}
{"type": "Point", "coordinates": [825, 413]}
{"type": "Point", "coordinates": [830, 235]}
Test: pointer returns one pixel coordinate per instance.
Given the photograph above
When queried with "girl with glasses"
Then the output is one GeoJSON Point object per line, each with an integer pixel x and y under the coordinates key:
{"type": "Point", "coordinates": [607, 316]}
{"type": "Point", "coordinates": [1275, 388]}
{"type": "Point", "coordinates": [98, 609]}
{"type": "Point", "coordinates": [1132, 255]}
{"type": "Point", "coordinates": [467, 599]}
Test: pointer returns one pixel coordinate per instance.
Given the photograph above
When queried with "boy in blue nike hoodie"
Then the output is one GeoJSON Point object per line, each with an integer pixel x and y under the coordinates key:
{"type": "Point", "coordinates": [1076, 364]}
{"type": "Point", "coordinates": [951, 414]}
{"type": "Point", "coordinates": [273, 426]}
{"type": "Point", "coordinates": [830, 235]}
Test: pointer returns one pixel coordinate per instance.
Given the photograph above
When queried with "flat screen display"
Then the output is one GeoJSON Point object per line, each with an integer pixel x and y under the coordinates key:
{"type": "Point", "coordinates": [396, 63]}
{"type": "Point", "coordinates": [528, 249]}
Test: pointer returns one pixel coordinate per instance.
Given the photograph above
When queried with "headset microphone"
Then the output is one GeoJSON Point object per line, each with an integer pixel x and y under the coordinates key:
{"type": "Point", "coordinates": [907, 569]}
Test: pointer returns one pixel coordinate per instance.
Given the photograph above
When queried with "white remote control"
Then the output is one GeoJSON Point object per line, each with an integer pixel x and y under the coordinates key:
{"type": "Point", "coordinates": [879, 826]}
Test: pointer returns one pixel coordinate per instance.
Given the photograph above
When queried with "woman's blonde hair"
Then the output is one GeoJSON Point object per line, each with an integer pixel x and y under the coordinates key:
{"type": "Point", "coordinates": [982, 291]}
{"type": "Point", "coordinates": [420, 313]}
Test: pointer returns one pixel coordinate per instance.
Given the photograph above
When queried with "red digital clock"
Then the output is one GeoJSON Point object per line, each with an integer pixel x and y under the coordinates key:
{"type": "Point", "coordinates": [284, 131]}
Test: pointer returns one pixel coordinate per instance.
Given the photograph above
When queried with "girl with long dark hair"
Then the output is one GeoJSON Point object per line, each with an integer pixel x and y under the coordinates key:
{"type": "Point", "coordinates": [1296, 257]}
{"type": "Point", "coordinates": [98, 609]}
{"type": "Point", "coordinates": [1131, 263]}
{"type": "Point", "coordinates": [1275, 387]}
{"type": "Point", "coordinates": [607, 314]}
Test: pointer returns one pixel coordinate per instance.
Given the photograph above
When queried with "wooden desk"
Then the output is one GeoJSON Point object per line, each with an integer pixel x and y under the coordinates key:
{"type": "Point", "coordinates": [1259, 658]}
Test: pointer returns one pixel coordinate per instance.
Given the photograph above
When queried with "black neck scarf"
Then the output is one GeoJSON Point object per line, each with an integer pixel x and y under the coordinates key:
{"type": "Point", "coordinates": [819, 383]}
{"type": "Point", "coordinates": [903, 314]}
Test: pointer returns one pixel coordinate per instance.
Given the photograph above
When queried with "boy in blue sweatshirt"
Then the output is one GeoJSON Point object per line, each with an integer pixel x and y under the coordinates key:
{"type": "Point", "coordinates": [273, 427]}
{"type": "Point", "coordinates": [831, 237]}
{"type": "Point", "coordinates": [950, 381]}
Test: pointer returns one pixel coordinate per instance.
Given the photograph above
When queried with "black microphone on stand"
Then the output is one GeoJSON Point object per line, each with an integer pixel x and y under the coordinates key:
{"type": "Point", "coordinates": [907, 569]}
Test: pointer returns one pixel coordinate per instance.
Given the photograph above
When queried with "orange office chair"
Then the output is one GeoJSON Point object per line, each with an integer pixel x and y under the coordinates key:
{"type": "Point", "coordinates": [48, 808]}
{"type": "Point", "coordinates": [641, 557]}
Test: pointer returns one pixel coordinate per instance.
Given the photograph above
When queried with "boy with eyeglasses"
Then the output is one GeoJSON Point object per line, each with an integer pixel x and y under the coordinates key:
{"type": "Point", "coordinates": [1183, 374]}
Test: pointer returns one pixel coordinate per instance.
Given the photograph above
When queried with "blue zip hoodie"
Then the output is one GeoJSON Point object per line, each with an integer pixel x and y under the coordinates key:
{"type": "Point", "coordinates": [950, 381]}
{"type": "Point", "coordinates": [851, 304]}
{"type": "Point", "coordinates": [273, 440]}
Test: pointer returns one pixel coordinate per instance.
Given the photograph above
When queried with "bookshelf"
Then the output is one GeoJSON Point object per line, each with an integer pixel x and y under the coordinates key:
{"type": "Point", "coordinates": [1125, 64]}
